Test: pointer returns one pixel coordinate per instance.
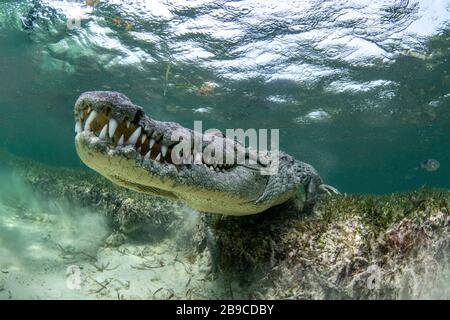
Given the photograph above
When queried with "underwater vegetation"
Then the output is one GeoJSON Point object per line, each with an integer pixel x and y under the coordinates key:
{"type": "Point", "coordinates": [365, 246]}
{"type": "Point", "coordinates": [360, 247]}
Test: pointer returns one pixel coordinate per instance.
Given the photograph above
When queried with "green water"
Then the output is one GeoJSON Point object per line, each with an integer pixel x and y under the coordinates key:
{"type": "Point", "coordinates": [358, 89]}
{"type": "Point", "coordinates": [378, 70]}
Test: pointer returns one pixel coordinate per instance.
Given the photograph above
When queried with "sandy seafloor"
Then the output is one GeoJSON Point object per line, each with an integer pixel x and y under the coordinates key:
{"type": "Point", "coordinates": [52, 250]}
{"type": "Point", "coordinates": [44, 246]}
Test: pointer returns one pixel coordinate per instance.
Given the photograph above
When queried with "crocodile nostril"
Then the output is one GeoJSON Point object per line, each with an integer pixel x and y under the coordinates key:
{"type": "Point", "coordinates": [139, 114]}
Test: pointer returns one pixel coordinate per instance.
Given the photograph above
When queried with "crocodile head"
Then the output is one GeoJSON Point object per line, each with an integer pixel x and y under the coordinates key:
{"type": "Point", "coordinates": [118, 140]}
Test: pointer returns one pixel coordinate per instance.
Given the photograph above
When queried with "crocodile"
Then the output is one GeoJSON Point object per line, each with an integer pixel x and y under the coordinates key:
{"type": "Point", "coordinates": [116, 138]}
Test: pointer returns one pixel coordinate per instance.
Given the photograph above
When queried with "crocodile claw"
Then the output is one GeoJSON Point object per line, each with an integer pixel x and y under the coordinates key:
{"type": "Point", "coordinates": [328, 189]}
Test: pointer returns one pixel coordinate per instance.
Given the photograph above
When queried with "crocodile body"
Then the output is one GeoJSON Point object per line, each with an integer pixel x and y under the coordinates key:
{"type": "Point", "coordinates": [118, 140]}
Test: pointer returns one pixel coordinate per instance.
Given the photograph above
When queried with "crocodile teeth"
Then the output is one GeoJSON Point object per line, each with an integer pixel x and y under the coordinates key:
{"type": "Point", "coordinates": [112, 127]}
{"type": "Point", "coordinates": [187, 160]}
{"type": "Point", "coordinates": [102, 134]}
{"type": "Point", "coordinates": [92, 116]}
{"type": "Point", "coordinates": [158, 157]}
{"type": "Point", "coordinates": [127, 123]}
{"type": "Point", "coordinates": [163, 150]}
{"type": "Point", "coordinates": [133, 138]}
{"type": "Point", "coordinates": [198, 158]}
{"type": "Point", "coordinates": [120, 141]}
{"type": "Point", "coordinates": [143, 138]}
{"type": "Point", "coordinates": [78, 128]}
{"type": "Point", "coordinates": [152, 142]}
{"type": "Point", "coordinates": [147, 156]}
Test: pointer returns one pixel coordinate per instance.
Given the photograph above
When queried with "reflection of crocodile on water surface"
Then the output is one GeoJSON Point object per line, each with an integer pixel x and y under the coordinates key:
{"type": "Point", "coordinates": [118, 140]}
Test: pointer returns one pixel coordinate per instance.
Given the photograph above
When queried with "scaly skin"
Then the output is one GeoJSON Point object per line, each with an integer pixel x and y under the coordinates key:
{"type": "Point", "coordinates": [235, 189]}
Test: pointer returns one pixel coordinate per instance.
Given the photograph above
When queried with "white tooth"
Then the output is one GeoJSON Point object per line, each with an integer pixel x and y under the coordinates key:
{"type": "Point", "coordinates": [127, 123]}
{"type": "Point", "coordinates": [211, 168]}
{"type": "Point", "coordinates": [152, 142]}
{"type": "Point", "coordinates": [147, 156]}
{"type": "Point", "coordinates": [139, 150]}
{"type": "Point", "coordinates": [89, 110]}
{"type": "Point", "coordinates": [120, 141]}
{"type": "Point", "coordinates": [78, 127]}
{"type": "Point", "coordinates": [143, 138]}
{"type": "Point", "coordinates": [163, 150]}
{"type": "Point", "coordinates": [158, 157]}
{"type": "Point", "coordinates": [133, 138]}
{"type": "Point", "coordinates": [102, 134]}
{"type": "Point", "coordinates": [92, 116]}
{"type": "Point", "coordinates": [112, 127]}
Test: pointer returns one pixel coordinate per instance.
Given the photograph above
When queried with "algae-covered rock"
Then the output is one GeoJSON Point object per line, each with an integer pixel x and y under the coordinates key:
{"type": "Point", "coordinates": [394, 246]}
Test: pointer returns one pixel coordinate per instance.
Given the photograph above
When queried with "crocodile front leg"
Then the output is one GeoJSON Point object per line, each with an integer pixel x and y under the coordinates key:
{"type": "Point", "coordinates": [291, 176]}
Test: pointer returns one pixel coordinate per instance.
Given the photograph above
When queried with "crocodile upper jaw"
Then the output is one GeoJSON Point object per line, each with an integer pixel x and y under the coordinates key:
{"type": "Point", "coordinates": [116, 138]}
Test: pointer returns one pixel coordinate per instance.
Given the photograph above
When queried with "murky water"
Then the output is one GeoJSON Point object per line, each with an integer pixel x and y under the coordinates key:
{"type": "Point", "coordinates": [359, 89]}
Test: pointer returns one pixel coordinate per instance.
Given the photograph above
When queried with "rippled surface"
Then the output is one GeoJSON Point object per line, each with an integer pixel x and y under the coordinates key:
{"type": "Point", "coordinates": [359, 89]}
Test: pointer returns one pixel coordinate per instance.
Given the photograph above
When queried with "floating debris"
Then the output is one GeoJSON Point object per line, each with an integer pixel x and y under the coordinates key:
{"type": "Point", "coordinates": [116, 21]}
{"type": "Point", "coordinates": [129, 26]}
{"type": "Point", "coordinates": [166, 78]}
{"type": "Point", "coordinates": [206, 88]}
{"type": "Point", "coordinates": [92, 3]}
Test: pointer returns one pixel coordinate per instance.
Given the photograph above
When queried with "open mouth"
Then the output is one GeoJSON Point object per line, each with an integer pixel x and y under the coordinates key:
{"type": "Point", "coordinates": [118, 133]}
{"type": "Point", "coordinates": [148, 143]}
